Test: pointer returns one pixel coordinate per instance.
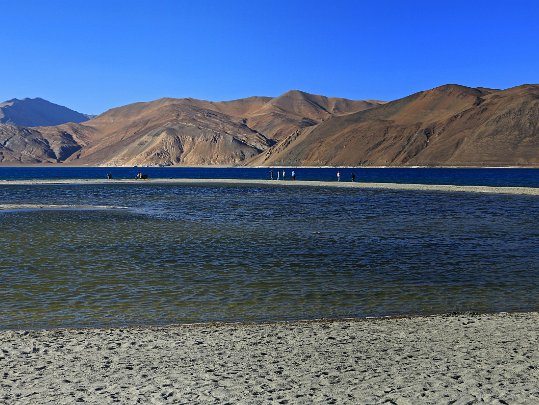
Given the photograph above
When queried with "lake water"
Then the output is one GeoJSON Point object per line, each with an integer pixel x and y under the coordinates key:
{"type": "Point", "coordinates": [457, 176]}
{"type": "Point", "coordinates": [199, 253]}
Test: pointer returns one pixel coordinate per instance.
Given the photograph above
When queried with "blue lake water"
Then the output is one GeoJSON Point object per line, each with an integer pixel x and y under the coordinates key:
{"type": "Point", "coordinates": [196, 253]}
{"type": "Point", "coordinates": [456, 176]}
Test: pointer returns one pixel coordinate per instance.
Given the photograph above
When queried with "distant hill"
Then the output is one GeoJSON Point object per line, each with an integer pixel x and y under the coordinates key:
{"type": "Point", "coordinates": [450, 125]}
{"type": "Point", "coordinates": [33, 112]}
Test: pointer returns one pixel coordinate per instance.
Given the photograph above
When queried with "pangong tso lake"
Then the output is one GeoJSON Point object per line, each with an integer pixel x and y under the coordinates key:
{"type": "Point", "coordinates": [82, 254]}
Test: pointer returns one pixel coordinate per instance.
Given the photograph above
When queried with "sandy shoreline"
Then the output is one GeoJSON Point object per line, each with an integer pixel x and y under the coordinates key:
{"type": "Point", "coordinates": [284, 183]}
{"type": "Point", "coordinates": [460, 359]}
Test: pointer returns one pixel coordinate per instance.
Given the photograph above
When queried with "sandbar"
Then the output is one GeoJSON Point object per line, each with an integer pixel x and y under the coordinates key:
{"type": "Point", "coordinates": [452, 359]}
{"type": "Point", "coordinates": [285, 183]}
{"type": "Point", "coordinates": [75, 207]}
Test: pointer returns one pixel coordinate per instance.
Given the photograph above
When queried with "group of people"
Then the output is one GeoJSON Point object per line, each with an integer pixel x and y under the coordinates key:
{"type": "Point", "coordinates": [281, 175]}
{"type": "Point", "coordinates": [352, 176]}
{"type": "Point", "coordinates": [272, 175]}
{"type": "Point", "coordinates": [139, 176]}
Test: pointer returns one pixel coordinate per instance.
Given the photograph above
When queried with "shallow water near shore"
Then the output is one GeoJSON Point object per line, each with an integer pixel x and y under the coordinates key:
{"type": "Point", "coordinates": [196, 253]}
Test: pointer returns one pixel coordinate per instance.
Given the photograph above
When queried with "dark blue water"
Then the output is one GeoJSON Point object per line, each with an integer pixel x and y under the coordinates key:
{"type": "Point", "coordinates": [457, 176]}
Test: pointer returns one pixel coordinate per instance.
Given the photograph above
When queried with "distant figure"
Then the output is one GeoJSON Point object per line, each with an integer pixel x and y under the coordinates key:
{"type": "Point", "coordinates": [284, 174]}
{"type": "Point", "coordinates": [353, 177]}
{"type": "Point", "coordinates": [293, 175]}
{"type": "Point", "coordinates": [109, 176]}
{"type": "Point", "coordinates": [141, 176]}
{"type": "Point", "coordinates": [271, 174]}
{"type": "Point", "coordinates": [278, 174]}
{"type": "Point", "coordinates": [338, 176]}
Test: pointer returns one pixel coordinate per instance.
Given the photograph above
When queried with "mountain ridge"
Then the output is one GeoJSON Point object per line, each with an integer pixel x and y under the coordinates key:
{"type": "Point", "coordinates": [185, 131]}
{"type": "Point", "coordinates": [199, 132]}
{"type": "Point", "coordinates": [449, 125]}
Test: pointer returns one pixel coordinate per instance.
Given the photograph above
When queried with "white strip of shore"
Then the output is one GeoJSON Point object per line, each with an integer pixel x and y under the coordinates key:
{"type": "Point", "coordinates": [283, 183]}
{"type": "Point", "coordinates": [458, 359]}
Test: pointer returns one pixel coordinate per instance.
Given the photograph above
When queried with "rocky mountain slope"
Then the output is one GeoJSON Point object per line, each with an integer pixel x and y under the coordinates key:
{"type": "Point", "coordinates": [19, 145]}
{"type": "Point", "coordinates": [33, 112]}
{"type": "Point", "coordinates": [450, 125]}
{"type": "Point", "coordinates": [197, 132]}
{"type": "Point", "coordinates": [166, 132]}
{"type": "Point", "coordinates": [179, 131]}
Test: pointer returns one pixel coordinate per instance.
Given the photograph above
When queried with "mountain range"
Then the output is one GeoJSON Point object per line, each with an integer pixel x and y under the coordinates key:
{"type": "Point", "coordinates": [450, 125]}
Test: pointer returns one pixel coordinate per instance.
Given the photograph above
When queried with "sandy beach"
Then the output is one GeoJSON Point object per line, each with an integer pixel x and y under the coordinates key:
{"type": "Point", "coordinates": [458, 359]}
{"type": "Point", "coordinates": [286, 183]}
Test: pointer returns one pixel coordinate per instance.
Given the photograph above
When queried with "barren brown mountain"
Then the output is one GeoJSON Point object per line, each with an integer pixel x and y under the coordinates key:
{"type": "Point", "coordinates": [450, 125]}
{"type": "Point", "coordinates": [178, 131]}
{"type": "Point", "coordinates": [166, 132]}
{"type": "Point", "coordinates": [294, 110]}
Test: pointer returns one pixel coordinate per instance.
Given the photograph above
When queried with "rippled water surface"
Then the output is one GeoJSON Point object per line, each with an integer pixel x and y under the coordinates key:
{"type": "Point", "coordinates": [235, 253]}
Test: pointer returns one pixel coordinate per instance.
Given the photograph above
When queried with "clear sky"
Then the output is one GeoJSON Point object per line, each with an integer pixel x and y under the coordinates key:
{"type": "Point", "coordinates": [91, 55]}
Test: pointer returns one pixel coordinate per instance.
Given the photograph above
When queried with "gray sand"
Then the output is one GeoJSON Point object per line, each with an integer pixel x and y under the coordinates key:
{"type": "Point", "coordinates": [463, 359]}
{"type": "Point", "coordinates": [288, 183]}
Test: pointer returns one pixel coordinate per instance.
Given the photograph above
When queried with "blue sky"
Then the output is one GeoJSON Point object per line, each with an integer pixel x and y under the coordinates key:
{"type": "Point", "coordinates": [92, 55]}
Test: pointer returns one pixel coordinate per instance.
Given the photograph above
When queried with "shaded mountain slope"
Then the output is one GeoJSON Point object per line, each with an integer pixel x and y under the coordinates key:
{"type": "Point", "coordinates": [33, 112]}
{"type": "Point", "coordinates": [28, 145]}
